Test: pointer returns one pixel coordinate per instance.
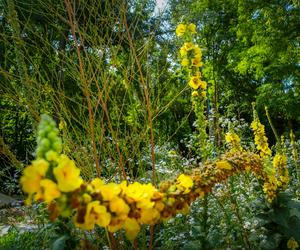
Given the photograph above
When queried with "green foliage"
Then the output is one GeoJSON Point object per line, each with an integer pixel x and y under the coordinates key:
{"type": "Point", "coordinates": [26, 240]}
{"type": "Point", "coordinates": [251, 52]}
{"type": "Point", "coordinates": [281, 220]}
{"type": "Point", "coordinates": [17, 140]}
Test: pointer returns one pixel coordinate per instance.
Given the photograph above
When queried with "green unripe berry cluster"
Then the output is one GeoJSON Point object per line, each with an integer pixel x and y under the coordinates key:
{"type": "Point", "coordinates": [48, 140]}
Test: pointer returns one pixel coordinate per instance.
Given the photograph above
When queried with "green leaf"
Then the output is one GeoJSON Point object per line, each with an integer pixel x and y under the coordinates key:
{"type": "Point", "coordinates": [196, 231]}
{"type": "Point", "coordinates": [280, 216]}
{"type": "Point", "coordinates": [60, 243]}
{"type": "Point", "coordinates": [293, 229]}
{"type": "Point", "coordinates": [294, 208]}
{"type": "Point", "coordinates": [271, 243]}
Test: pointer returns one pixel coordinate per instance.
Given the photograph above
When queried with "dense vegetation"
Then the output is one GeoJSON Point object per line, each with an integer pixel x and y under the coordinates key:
{"type": "Point", "coordinates": [153, 95]}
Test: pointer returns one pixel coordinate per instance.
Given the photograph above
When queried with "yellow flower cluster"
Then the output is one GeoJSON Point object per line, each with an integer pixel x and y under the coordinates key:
{"type": "Point", "coordinates": [191, 58]}
{"type": "Point", "coordinates": [275, 176]}
{"type": "Point", "coordinates": [183, 29]}
{"type": "Point", "coordinates": [32, 177]}
{"type": "Point", "coordinates": [280, 163]}
{"type": "Point", "coordinates": [38, 184]}
{"type": "Point", "coordinates": [292, 244]}
{"type": "Point", "coordinates": [234, 141]}
{"type": "Point", "coordinates": [67, 174]}
{"type": "Point", "coordinates": [191, 55]}
{"type": "Point", "coordinates": [260, 139]}
{"type": "Point", "coordinates": [118, 206]}
{"type": "Point", "coordinates": [56, 180]}
{"type": "Point", "coordinates": [129, 206]}
{"type": "Point", "coordinates": [270, 187]}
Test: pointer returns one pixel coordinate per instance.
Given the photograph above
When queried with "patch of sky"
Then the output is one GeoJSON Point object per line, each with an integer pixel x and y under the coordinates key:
{"type": "Point", "coordinates": [288, 83]}
{"type": "Point", "coordinates": [160, 6]}
{"type": "Point", "coordinates": [255, 14]}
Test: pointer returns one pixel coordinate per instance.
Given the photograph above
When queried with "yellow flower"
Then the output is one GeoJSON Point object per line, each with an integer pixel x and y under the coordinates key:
{"type": "Point", "coordinates": [192, 28]}
{"type": "Point", "coordinates": [195, 82]}
{"type": "Point", "coordinates": [188, 46]}
{"type": "Point", "coordinates": [141, 194]}
{"type": "Point", "coordinates": [67, 175]}
{"type": "Point", "coordinates": [195, 93]}
{"type": "Point", "coordinates": [292, 244]}
{"type": "Point", "coordinates": [198, 74]}
{"type": "Point", "coordinates": [196, 62]}
{"type": "Point", "coordinates": [118, 206]}
{"type": "Point", "coordinates": [270, 188]}
{"type": "Point", "coordinates": [184, 183]}
{"type": "Point", "coordinates": [183, 51]}
{"type": "Point", "coordinates": [32, 176]}
{"type": "Point", "coordinates": [231, 137]}
{"type": "Point", "coordinates": [116, 222]}
{"type": "Point", "coordinates": [203, 85]}
{"type": "Point", "coordinates": [62, 125]}
{"type": "Point", "coordinates": [234, 140]}
{"type": "Point", "coordinates": [97, 183]}
{"type": "Point", "coordinates": [132, 228]}
{"type": "Point", "coordinates": [185, 62]}
{"type": "Point", "coordinates": [185, 209]}
{"type": "Point", "coordinates": [223, 165]}
{"type": "Point", "coordinates": [203, 94]}
{"type": "Point", "coordinates": [145, 203]}
{"type": "Point", "coordinates": [200, 192]}
{"type": "Point", "coordinates": [180, 30]}
{"type": "Point", "coordinates": [134, 192]}
{"type": "Point", "coordinates": [279, 160]}
{"type": "Point", "coordinates": [123, 186]}
{"type": "Point", "coordinates": [114, 228]}
{"type": "Point", "coordinates": [96, 214]}
{"type": "Point", "coordinates": [149, 216]}
{"type": "Point", "coordinates": [197, 51]}
{"type": "Point", "coordinates": [48, 191]}
{"type": "Point", "coordinates": [109, 191]}
{"type": "Point", "coordinates": [159, 206]}
{"type": "Point", "coordinates": [279, 164]}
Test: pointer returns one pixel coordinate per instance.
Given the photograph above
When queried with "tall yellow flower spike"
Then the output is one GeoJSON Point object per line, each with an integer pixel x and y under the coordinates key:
{"type": "Point", "coordinates": [191, 59]}
{"type": "Point", "coordinates": [234, 141]}
{"type": "Point", "coordinates": [261, 141]}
